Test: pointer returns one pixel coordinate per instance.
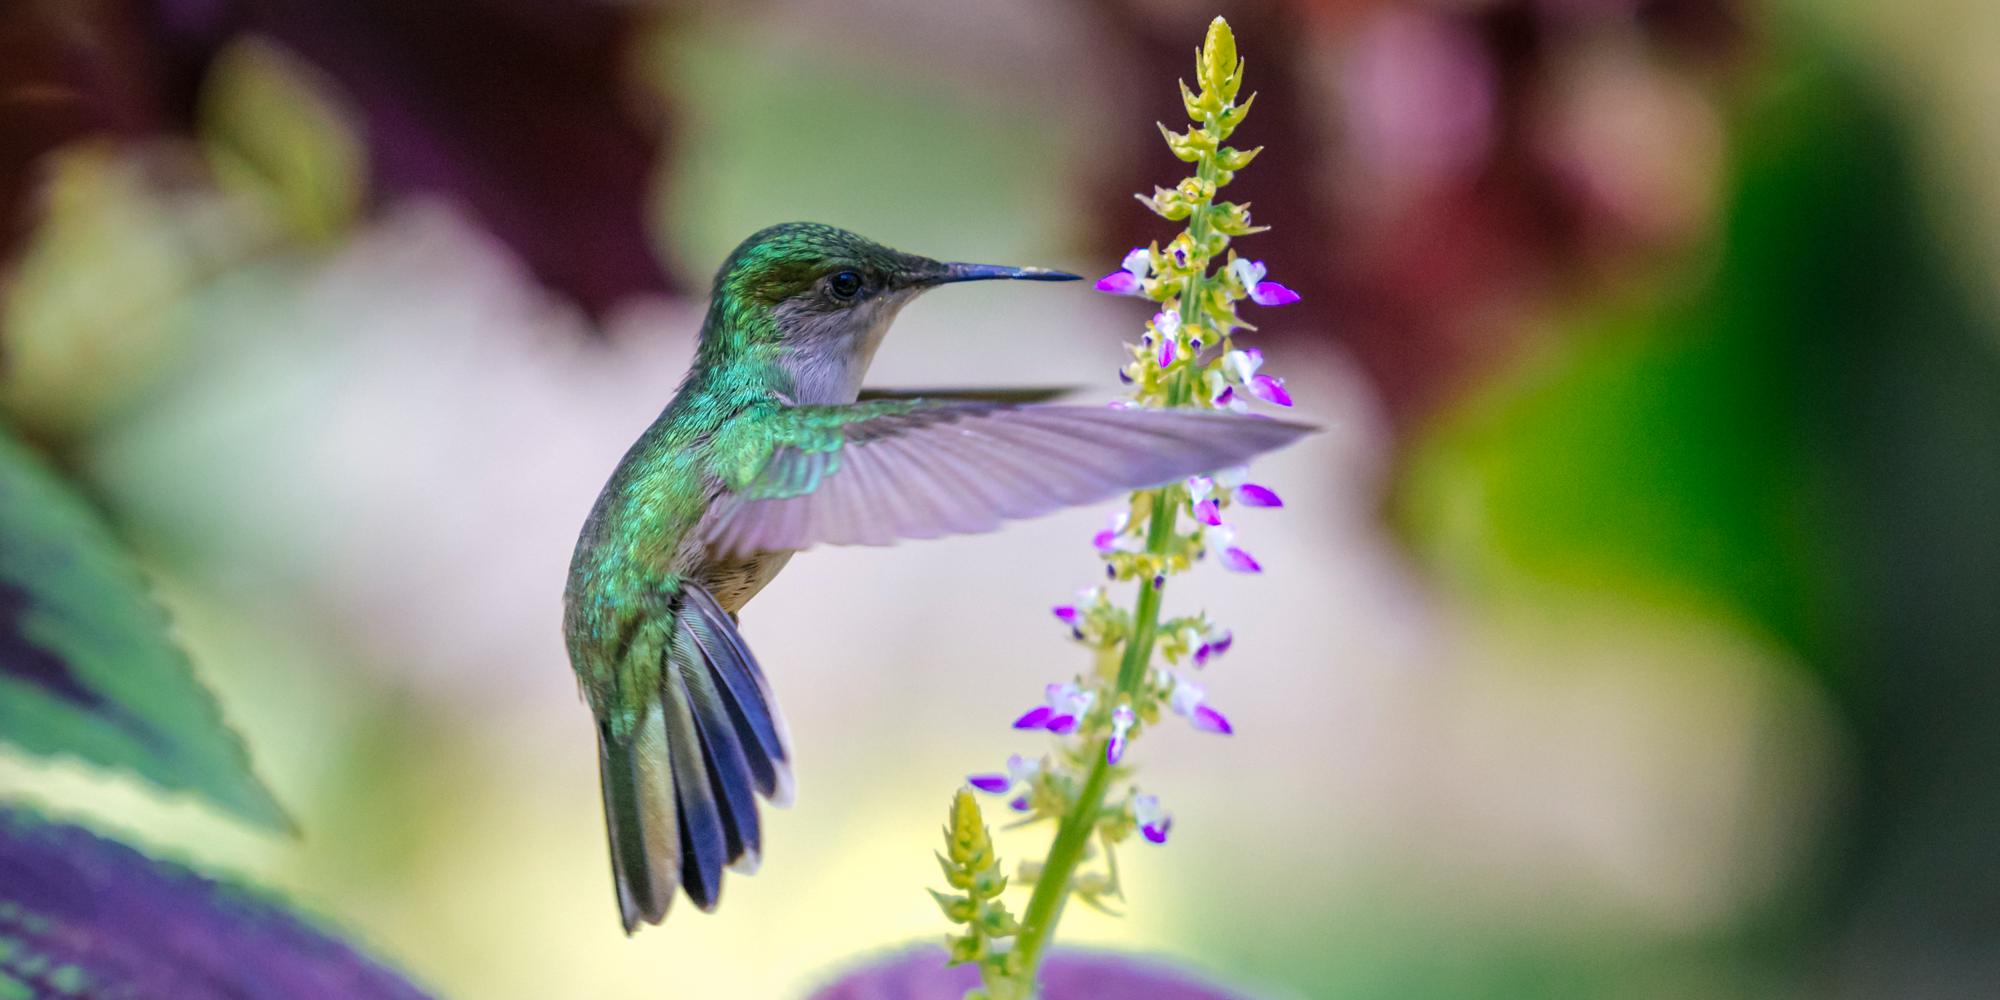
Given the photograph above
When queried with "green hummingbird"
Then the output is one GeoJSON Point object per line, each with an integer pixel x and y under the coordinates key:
{"type": "Point", "coordinates": [770, 446]}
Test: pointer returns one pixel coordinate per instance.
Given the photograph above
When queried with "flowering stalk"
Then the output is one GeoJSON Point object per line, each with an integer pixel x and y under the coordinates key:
{"type": "Point", "coordinates": [1186, 357]}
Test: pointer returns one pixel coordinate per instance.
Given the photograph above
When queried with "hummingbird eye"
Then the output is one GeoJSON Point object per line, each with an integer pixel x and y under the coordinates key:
{"type": "Point", "coordinates": [844, 284]}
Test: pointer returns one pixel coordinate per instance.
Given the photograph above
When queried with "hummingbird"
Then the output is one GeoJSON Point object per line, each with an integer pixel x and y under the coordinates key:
{"type": "Point", "coordinates": [770, 446]}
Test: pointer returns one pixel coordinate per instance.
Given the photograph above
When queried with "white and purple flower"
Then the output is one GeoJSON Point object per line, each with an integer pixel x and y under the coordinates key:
{"type": "Point", "coordinates": [1240, 368]}
{"type": "Point", "coordinates": [1020, 771]}
{"type": "Point", "coordinates": [1122, 721]}
{"type": "Point", "coordinates": [1250, 275]}
{"type": "Point", "coordinates": [1154, 822]}
{"type": "Point", "coordinates": [1067, 703]}
{"type": "Point", "coordinates": [1191, 702]}
{"type": "Point", "coordinates": [1130, 278]}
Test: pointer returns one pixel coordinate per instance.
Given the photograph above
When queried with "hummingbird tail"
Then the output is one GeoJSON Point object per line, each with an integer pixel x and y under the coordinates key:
{"type": "Point", "coordinates": [680, 791]}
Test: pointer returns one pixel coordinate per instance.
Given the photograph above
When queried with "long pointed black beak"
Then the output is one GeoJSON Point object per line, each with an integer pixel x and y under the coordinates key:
{"type": "Point", "coordinates": [988, 272]}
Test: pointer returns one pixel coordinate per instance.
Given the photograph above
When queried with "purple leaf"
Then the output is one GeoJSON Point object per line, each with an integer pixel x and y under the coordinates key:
{"type": "Point", "coordinates": [98, 918]}
{"type": "Point", "coordinates": [921, 974]}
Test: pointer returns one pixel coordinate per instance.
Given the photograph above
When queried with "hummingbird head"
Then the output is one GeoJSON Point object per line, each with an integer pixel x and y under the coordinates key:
{"type": "Point", "coordinates": [824, 298]}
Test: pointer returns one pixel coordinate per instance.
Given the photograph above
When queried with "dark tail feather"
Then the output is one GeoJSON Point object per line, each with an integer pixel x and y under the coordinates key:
{"type": "Point", "coordinates": [746, 697]}
{"type": "Point", "coordinates": [680, 792]}
{"type": "Point", "coordinates": [639, 816]}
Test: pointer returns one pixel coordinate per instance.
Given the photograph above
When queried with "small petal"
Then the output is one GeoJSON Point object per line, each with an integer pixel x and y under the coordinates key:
{"type": "Point", "coordinates": [1066, 612]}
{"type": "Point", "coordinates": [1186, 697]}
{"type": "Point", "coordinates": [1121, 283]}
{"type": "Point", "coordinates": [1270, 293]}
{"type": "Point", "coordinates": [1270, 390]}
{"type": "Point", "coordinates": [1221, 645]}
{"type": "Point", "coordinates": [1157, 832]}
{"type": "Point", "coordinates": [991, 784]}
{"type": "Point", "coordinates": [1021, 768]}
{"type": "Point", "coordinates": [1209, 720]}
{"type": "Point", "coordinates": [1146, 809]}
{"type": "Point", "coordinates": [1247, 272]}
{"type": "Point", "coordinates": [1034, 718]}
{"type": "Point", "coordinates": [1138, 263]}
{"type": "Point", "coordinates": [1105, 540]}
{"type": "Point", "coordinates": [1202, 653]}
{"type": "Point", "coordinates": [1226, 398]}
{"type": "Point", "coordinates": [1236, 560]}
{"type": "Point", "coordinates": [1114, 750]}
{"type": "Point", "coordinates": [1200, 486]}
{"type": "Point", "coordinates": [1253, 495]}
{"type": "Point", "coordinates": [1207, 512]}
{"type": "Point", "coordinates": [1061, 725]}
{"type": "Point", "coordinates": [1019, 804]}
{"type": "Point", "coordinates": [1168, 349]}
{"type": "Point", "coordinates": [1241, 365]}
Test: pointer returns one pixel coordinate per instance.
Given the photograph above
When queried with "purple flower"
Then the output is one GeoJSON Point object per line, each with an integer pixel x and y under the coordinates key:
{"type": "Point", "coordinates": [991, 784]}
{"type": "Point", "coordinates": [1270, 389]}
{"type": "Point", "coordinates": [1250, 275]}
{"type": "Point", "coordinates": [1120, 283]}
{"type": "Point", "coordinates": [1270, 293]}
{"type": "Point", "coordinates": [1112, 539]}
{"type": "Point", "coordinates": [1019, 804]}
{"type": "Point", "coordinates": [1130, 278]}
{"type": "Point", "coordinates": [1067, 613]}
{"type": "Point", "coordinates": [1253, 495]}
{"type": "Point", "coordinates": [1207, 512]}
{"type": "Point", "coordinates": [1191, 702]}
{"type": "Point", "coordinates": [1066, 704]}
{"type": "Point", "coordinates": [1121, 724]}
{"type": "Point", "coordinates": [1236, 560]}
{"type": "Point", "coordinates": [1213, 644]}
{"type": "Point", "coordinates": [1153, 821]}
{"type": "Point", "coordinates": [1034, 718]}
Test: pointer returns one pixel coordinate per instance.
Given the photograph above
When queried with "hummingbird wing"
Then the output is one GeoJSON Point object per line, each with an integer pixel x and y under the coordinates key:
{"type": "Point", "coordinates": [872, 473]}
{"type": "Point", "coordinates": [988, 394]}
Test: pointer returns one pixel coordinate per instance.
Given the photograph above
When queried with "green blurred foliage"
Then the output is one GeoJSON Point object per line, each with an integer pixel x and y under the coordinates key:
{"type": "Point", "coordinates": [88, 667]}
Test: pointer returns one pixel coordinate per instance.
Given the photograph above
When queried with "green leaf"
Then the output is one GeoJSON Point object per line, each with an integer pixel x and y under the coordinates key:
{"type": "Point", "coordinates": [87, 667]}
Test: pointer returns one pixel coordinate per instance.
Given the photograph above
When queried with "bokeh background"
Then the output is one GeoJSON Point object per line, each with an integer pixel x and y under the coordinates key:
{"type": "Point", "coordinates": [1632, 631]}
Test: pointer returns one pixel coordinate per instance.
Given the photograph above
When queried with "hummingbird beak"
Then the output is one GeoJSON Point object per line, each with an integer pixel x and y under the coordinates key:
{"type": "Point", "coordinates": [986, 272]}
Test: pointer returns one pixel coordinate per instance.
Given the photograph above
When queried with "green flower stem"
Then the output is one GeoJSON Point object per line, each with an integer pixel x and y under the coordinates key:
{"type": "Point", "coordinates": [1052, 889]}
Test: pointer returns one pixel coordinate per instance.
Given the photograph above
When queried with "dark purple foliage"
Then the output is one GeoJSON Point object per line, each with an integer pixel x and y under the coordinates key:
{"type": "Point", "coordinates": [81, 915]}
{"type": "Point", "coordinates": [920, 974]}
{"type": "Point", "coordinates": [522, 114]}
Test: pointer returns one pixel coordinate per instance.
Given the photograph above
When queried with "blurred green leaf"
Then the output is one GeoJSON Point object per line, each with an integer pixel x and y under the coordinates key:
{"type": "Point", "coordinates": [274, 127]}
{"type": "Point", "coordinates": [83, 916]}
{"type": "Point", "coordinates": [86, 664]}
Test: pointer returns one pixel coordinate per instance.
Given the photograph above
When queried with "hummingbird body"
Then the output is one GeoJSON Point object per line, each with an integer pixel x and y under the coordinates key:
{"type": "Point", "coordinates": [767, 449]}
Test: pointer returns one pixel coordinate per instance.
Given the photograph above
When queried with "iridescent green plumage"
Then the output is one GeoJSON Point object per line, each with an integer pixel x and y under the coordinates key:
{"type": "Point", "coordinates": [764, 451]}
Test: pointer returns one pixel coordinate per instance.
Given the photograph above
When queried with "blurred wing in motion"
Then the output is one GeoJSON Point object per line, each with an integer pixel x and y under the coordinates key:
{"type": "Point", "coordinates": [995, 394]}
{"type": "Point", "coordinates": [872, 473]}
